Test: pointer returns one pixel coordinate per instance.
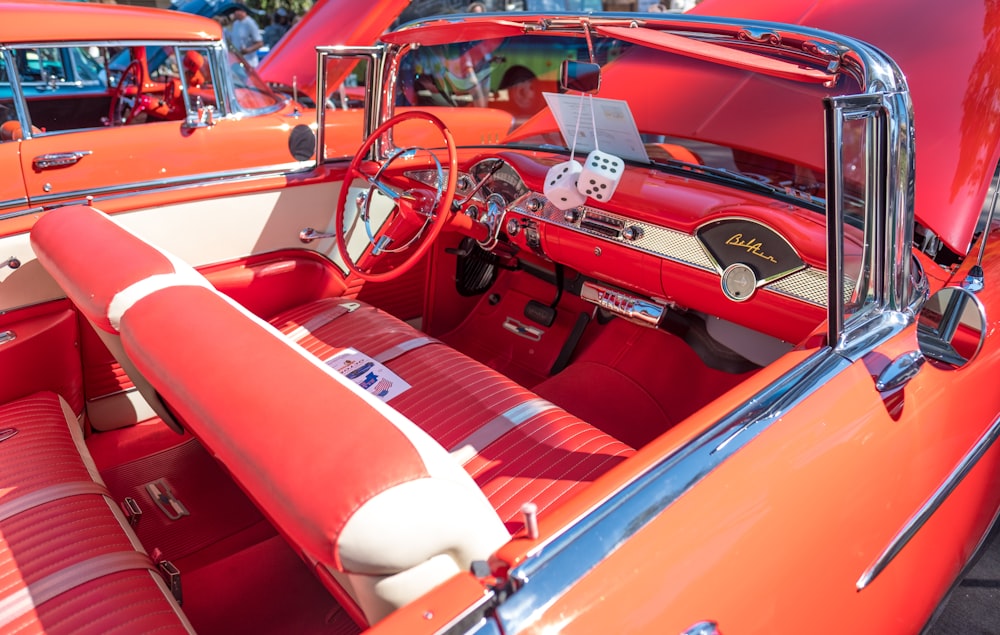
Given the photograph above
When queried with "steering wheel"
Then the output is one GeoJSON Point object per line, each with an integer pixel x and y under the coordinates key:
{"type": "Point", "coordinates": [124, 108]}
{"type": "Point", "coordinates": [418, 215]}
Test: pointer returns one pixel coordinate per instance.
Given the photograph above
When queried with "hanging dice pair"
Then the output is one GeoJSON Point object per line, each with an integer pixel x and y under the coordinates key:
{"type": "Point", "coordinates": [568, 184]}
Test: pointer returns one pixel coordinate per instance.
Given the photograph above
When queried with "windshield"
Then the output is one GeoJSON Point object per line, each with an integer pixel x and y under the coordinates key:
{"type": "Point", "coordinates": [679, 112]}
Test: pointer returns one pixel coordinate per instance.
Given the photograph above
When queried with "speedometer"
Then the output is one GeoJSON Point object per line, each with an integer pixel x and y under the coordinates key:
{"type": "Point", "coordinates": [504, 181]}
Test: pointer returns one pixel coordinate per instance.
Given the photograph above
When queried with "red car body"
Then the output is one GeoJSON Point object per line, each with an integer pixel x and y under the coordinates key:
{"type": "Point", "coordinates": [750, 390]}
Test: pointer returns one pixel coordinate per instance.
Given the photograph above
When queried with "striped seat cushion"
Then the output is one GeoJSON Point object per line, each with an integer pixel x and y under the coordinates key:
{"type": "Point", "coordinates": [68, 564]}
{"type": "Point", "coordinates": [517, 447]}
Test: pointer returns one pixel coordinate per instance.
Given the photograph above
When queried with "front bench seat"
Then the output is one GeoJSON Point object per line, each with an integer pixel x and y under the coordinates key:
{"type": "Point", "coordinates": [518, 447]}
{"type": "Point", "coordinates": [242, 401]}
{"type": "Point", "coordinates": [380, 508]}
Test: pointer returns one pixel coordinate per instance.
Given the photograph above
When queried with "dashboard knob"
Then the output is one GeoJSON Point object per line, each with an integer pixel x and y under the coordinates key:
{"type": "Point", "coordinates": [632, 233]}
{"type": "Point", "coordinates": [513, 227]}
{"type": "Point", "coordinates": [534, 204]}
{"type": "Point", "coordinates": [464, 183]}
{"type": "Point", "coordinates": [571, 215]}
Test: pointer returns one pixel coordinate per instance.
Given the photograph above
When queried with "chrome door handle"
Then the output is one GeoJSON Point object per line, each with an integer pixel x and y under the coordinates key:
{"type": "Point", "coordinates": [58, 159]}
{"type": "Point", "coordinates": [308, 234]}
{"type": "Point", "coordinates": [7, 336]}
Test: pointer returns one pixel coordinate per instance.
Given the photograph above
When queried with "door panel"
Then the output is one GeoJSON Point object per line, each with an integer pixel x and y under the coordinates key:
{"type": "Point", "coordinates": [39, 350]}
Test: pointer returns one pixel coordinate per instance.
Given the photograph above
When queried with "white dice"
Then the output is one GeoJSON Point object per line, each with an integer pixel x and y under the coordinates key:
{"type": "Point", "coordinates": [561, 185]}
{"type": "Point", "coordinates": [600, 176]}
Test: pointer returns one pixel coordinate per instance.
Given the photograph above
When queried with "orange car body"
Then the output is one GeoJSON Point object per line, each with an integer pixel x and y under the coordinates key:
{"type": "Point", "coordinates": [807, 448]}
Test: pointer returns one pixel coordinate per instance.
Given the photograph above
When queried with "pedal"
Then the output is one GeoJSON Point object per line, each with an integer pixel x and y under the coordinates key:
{"type": "Point", "coordinates": [541, 313]}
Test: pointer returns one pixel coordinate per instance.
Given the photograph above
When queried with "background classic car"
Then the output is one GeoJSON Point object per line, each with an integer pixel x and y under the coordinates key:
{"type": "Point", "coordinates": [746, 386]}
{"type": "Point", "coordinates": [80, 116]}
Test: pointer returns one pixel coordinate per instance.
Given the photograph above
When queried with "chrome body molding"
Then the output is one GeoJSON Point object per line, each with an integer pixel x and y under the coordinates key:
{"type": "Point", "coordinates": [931, 505]}
{"type": "Point", "coordinates": [42, 203]}
{"type": "Point", "coordinates": [558, 564]}
{"type": "Point", "coordinates": [18, 205]}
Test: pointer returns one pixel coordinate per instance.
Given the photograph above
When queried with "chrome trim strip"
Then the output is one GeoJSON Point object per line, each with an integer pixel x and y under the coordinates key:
{"type": "Point", "coordinates": [808, 285]}
{"type": "Point", "coordinates": [144, 187]}
{"type": "Point", "coordinates": [931, 505]}
{"type": "Point", "coordinates": [556, 565]}
{"type": "Point", "coordinates": [656, 240]}
{"type": "Point", "coordinates": [16, 203]}
{"type": "Point", "coordinates": [151, 187]}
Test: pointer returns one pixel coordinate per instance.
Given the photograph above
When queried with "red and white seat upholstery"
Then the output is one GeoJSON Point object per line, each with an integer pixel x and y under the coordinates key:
{"type": "Point", "coordinates": [363, 492]}
{"type": "Point", "coordinates": [518, 448]}
{"type": "Point", "coordinates": [69, 562]}
{"type": "Point", "coordinates": [385, 499]}
{"type": "Point", "coordinates": [103, 269]}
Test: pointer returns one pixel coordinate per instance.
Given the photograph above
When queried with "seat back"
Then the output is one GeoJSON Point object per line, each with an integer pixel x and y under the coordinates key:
{"type": "Point", "coordinates": [379, 509]}
{"type": "Point", "coordinates": [11, 131]}
{"type": "Point", "coordinates": [103, 269]}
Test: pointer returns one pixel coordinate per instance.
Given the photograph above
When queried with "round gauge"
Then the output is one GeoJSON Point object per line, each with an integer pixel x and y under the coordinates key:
{"type": "Point", "coordinates": [504, 180]}
{"type": "Point", "coordinates": [738, 282]}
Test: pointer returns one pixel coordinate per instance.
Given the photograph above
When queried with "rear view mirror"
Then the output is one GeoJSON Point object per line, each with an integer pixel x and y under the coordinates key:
{"type": "Point", "coordinates": [583, 77]}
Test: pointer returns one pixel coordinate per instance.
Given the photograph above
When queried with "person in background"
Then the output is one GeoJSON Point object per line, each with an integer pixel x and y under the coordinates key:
{"type": "Point", "coordinates": [245, 36]}
{"type": "Point", "coordinates": [277, 28]}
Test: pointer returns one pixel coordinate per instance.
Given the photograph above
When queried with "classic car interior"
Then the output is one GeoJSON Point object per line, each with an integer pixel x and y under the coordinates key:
{"type": "Point", "coordinates": [353, 419]}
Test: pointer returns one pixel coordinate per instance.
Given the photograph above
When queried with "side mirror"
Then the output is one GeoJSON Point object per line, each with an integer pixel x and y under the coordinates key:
{"type": "Point", "coordinates": [583, 77]}
{"type": "Point", "coordinates": [951, 327]}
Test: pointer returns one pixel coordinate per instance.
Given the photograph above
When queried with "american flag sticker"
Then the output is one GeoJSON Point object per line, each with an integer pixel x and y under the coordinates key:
{"type": "Point", "coordinates": [367, 373]}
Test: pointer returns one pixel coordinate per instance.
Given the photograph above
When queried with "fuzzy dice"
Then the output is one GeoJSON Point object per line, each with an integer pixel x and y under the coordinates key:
{"type": "Point", "coordinates": [561, 186]}
{"type": "Point", "coordinates": [600, 175]}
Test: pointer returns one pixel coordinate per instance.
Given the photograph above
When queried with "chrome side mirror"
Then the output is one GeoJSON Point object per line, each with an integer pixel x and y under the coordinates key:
{"type": "Point", "coordinates": [951, 327]}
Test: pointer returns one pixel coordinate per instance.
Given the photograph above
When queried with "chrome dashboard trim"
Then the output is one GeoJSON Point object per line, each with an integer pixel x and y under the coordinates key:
{"type": "Point", "coordinates": [931, 505]}
{"type": "Point", "coordinates": [556, 565]}
{"type": "Point", "coordinates": [808, 284]}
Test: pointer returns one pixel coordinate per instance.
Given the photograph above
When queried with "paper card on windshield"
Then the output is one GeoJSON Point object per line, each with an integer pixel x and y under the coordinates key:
{"type": "Point", "coordinates": [579, 116]}
{"type": "Point", "coordinates": [367, 373]}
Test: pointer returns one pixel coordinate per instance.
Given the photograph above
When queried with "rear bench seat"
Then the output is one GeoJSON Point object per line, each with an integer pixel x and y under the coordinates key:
{"type": "Point", "coordinates": [372, 494]}
{"type": "Point", "coordinates": [69, 562]}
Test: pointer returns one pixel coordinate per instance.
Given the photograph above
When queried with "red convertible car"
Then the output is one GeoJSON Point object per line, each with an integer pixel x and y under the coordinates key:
{"type": "Point", "coordinates": [703, 344]}
{"type": "Point", "coordinates": [97, 100]}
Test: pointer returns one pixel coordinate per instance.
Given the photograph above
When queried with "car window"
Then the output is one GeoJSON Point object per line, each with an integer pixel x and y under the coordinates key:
{"type": "Point", "coordinates": [252, 93]}
{"type": "Point", "coordinates": [70, 88]}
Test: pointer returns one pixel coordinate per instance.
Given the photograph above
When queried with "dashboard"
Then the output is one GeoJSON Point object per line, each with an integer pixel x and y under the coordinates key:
{"type": "Point", "coordinates": [732, 263]}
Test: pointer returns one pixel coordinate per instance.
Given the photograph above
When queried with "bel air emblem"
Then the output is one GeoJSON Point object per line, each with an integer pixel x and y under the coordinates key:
{"type": "Point", "coordinates": [752, 246]}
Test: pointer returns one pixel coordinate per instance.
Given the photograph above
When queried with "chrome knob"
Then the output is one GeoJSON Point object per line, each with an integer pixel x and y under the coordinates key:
{"type": "Point", "coordinates": [571, 215]}
{"type": "Point", "coordinates": [534, 204]}
{"type": "Point", "coordinates": [513, 227]}
{"type": "Point", "coordinates": [632, 233]}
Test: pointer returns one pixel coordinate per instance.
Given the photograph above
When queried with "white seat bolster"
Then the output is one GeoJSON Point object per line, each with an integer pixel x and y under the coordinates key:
{"type": "Point", "coordinates": [378, 596]}
{"type": "Point", "coordinates": [410, 523]}
{"type": "Point", "coordinates": [124, 299]}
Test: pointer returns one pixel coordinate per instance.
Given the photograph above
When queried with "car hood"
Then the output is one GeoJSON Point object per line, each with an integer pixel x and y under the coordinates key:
{"type": "Point", "coordinates": [950, 55]}
{"type": "Point", "coordinates": [328, 22]}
